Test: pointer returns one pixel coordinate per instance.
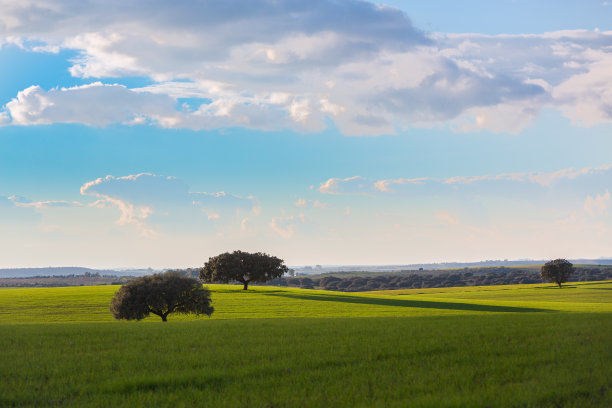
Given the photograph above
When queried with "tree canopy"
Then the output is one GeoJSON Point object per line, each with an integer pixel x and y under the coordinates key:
{"type": "Point", "coordinates": [244, 267]}
{"type": "Point", "coordinates": [161, 294]}
{"type": "Point", "coordinates": [557, 271]}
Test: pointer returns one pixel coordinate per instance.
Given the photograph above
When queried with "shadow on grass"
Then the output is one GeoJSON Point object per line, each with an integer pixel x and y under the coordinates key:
{"type": "Point", "coordinates": [423, 304]}
{"type": "Point", "coordinates": [591, 285]}
{"type": "Point", "coordinates": [251, 290]}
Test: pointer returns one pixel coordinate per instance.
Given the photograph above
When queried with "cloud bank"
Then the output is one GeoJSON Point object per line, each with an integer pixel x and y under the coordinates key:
{"type": "Point", "coordinates": [295, 65]}
{"type": "Point", "coordinates": [577, 182]}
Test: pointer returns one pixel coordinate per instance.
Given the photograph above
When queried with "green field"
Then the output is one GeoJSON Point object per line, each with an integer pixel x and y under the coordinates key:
{"type": "Point", "coordinates": [497, 346]}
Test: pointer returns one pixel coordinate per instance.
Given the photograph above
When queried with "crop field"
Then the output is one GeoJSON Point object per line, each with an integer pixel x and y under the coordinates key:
{"type": "Point", "coordinates": [494, 346]}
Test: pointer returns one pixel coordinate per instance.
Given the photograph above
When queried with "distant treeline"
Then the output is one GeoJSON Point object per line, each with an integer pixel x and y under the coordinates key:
{"type": "Point", "coordinates": [439, 279]}
{"type": "Point", "coordinates": [351, 281]}
{"type": "Point", "coordinates": [72, 275]}
{"type": "Point", "coordinates": [86, 279]}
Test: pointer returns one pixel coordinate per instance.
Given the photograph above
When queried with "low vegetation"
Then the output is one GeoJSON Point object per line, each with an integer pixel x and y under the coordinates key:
{"type": "Point", "coordinates": [498, 360]}
{"type": "Point", "coordinates": [501, 346]}
{"type": "Point", "coordinates": [364, 281]}
{"type": "Point", "coordinates": [90, 304]}
{"type": "Point", "coordinates": [63, 280]}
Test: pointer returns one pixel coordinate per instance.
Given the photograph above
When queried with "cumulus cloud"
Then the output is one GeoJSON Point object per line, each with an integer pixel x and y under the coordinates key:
{"type": "Point", "coordinates": [450, 91]}
{"type": "Point", "coordinates": [94, 104]}
{"type": "Point", "coordinates": [586, 97]}
{"type": "Point", "coordinates": [142, 196]}
{"type": "Point", "coordinates": [208, 31]}
{"type": "Point", "coordinates": [291, 64]}
{"type": "Point", "coordinates": [100, 104]}
{"type": "Point", "coordinates": [569, 70]}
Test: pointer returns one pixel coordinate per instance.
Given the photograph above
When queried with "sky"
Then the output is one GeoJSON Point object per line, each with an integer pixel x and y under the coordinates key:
{"type": "Point", "coordinates": [333, 132]}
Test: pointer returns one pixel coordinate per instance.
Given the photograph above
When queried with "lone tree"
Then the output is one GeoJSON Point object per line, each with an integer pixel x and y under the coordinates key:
{"type": "Point", "coordinates": [557, 271]}
{"type": "Point", "coordinates": [160, 294]}
{"type": "Point", "coordinates": [243, 267]}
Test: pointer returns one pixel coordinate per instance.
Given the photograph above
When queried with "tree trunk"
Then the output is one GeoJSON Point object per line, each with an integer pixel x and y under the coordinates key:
{"type": "Point", "coordinates": [164, 318]}
{"type": "Point", "coordinates": [246, 285]}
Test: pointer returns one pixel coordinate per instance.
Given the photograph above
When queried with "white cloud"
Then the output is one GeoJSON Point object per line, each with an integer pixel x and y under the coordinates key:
{"type": "Point", "coordinates": [356, 185]}
{"type": "Point", "coordinates": [100, 104]}
{"type": "Point", "coordinates": [244, 225]}
{"type": "Point", "coordinates": [300, 110]}
{"type": "Point", "coordinates": [446, 218]}
{"type": "Point", "coordinates": [385, 185]}
{"type": "Point", "coordinates": [20, 202]}
{"type": "Point", "coordinates": [222, 202]}
{"type": "Point", "coordinates": [318, 204]}
{"type": "Point", "coordinates": [331, 108]}
{"type": "Point", "coordinates": [500, 184]}
{"type": "Point", "coordinates": [284, 226]}
{"type": "Point", "coordinates": [256, 208]}
{"type": "Point", "coordinates": [599, 205]}
{"type": "Point", "coordinates": [281, 64]}
{"type": "Point", "coordinates": [586, 97]}
{"type": "Point", "coordinates": [94, 104]}
{"type": "Point", "coordinates": [5, 119]}
{"type": "Point", "coordinates": [121, 192]}
{"type": "Point", "coordinates": [310, 203]}
{"type": "Point", "coordinates": [141, 196]}
{"type": "Point", "coordinates": [137, 188]}
{"type": "Point", "coordinates": [13, 213]}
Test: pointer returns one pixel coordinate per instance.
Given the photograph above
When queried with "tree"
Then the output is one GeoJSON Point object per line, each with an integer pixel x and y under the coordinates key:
{"type": "Point", "coordinates": [160, 294]}
{"type": "Point", "coordinates": [243, 267]}
{"type": "Point", "coordinates": [557, 271]}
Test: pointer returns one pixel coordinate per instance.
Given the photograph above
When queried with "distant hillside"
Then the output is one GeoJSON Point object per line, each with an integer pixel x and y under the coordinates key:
{"type": "Point", "coordinates": [299, 270]}
{"type": "Point", "coordinates": [319, 269]}
{"type": "Point", "coordinates": [69, 270]}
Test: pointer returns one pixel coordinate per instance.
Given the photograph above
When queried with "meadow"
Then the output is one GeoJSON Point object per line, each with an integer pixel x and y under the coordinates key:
{"type": "Point", "coordinates": [492, 346]}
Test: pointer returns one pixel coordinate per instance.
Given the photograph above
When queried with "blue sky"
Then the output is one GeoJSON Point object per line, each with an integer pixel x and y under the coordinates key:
{"type": "Point", "coordinates": [328, 132]}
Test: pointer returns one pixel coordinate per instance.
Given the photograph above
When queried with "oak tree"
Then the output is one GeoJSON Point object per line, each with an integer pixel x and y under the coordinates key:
{"type": "Point", "coordinates": [243, 267]}
{"type": "Point", "coordinates": [557, 271]}
{"type": "Point", "coordinates": [161, 294]}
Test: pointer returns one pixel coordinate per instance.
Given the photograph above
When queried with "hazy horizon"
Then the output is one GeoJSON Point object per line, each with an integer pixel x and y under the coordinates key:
{"type": "Point", "coordinates": [330, 132]}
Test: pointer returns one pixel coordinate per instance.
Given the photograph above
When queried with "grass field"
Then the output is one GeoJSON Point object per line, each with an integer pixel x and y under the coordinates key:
{"type": "Point", "coordinates": [515, 346]}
